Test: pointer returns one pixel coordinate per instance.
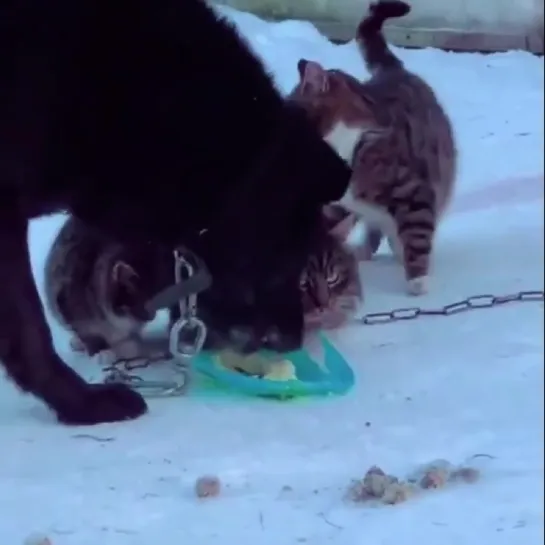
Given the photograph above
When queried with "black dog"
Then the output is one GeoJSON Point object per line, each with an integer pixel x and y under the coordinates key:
{"type": "Point", "coordinates": [151, 120]}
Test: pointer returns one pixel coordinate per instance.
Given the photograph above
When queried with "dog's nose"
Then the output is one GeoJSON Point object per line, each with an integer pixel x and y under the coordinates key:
{"type": "Point", "coordinates": [277, 341]}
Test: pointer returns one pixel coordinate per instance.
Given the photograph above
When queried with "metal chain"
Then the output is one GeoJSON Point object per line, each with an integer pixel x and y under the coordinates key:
{"type": "Point", "coordinates": [188, 333]}
{"type": "Point", "coordinates": [186, 339]}
{"type": "Point", "coordinates": [471, 303]}
{"type": "Point", "coordinates": [122, 370]}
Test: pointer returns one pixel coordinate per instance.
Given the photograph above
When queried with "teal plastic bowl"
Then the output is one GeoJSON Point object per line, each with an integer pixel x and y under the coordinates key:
{"type": "Point", "coordinates": [312, 379]}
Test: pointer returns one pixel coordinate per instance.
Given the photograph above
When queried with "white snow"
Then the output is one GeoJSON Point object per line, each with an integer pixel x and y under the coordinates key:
{"type": "Point", "coordinates": [430, 388]}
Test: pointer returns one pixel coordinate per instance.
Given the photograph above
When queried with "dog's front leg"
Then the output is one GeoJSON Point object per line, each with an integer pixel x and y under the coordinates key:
{"type": "Point", "coordinates": [26, 347]}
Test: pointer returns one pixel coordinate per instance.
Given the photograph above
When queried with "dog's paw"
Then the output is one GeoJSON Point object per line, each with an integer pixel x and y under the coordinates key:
{"type": "Point", "coordinates": [102, 403]}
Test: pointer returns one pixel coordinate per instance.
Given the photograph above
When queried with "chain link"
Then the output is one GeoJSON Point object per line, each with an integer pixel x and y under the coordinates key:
{"type": "Point", "coordinates": [188, 333]}
{"type": "Point", "coordinates": [122, 370]}
{"type": "Point", "coordinates": [471, 303]}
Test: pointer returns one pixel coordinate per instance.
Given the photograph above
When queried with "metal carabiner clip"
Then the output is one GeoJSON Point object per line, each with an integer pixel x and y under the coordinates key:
{"type": "Point", "coordinates": [183, 270]}
{"type": "Point", "coordinates": [187, 337]}
{"type": "Point", "coordinates": [188, 334]}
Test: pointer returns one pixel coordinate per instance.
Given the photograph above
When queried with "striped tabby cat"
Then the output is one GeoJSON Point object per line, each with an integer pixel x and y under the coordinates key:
{"type": "Point", "coordinates": [330, 285]}
{"type": "Point", "coordinates": [398, 140]}
{"type": "Point", "coordinates": [98, 288]}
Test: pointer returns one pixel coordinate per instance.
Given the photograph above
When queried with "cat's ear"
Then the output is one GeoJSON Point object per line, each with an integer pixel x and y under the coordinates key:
{"type": "Point", "coordinates": [123, 274]}
{"type": "Point", "coordinates": [313, 75]}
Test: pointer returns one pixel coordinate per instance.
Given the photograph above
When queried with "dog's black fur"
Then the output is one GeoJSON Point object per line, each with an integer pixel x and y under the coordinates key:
{"type": "Point", "coordinates": [151, 120]}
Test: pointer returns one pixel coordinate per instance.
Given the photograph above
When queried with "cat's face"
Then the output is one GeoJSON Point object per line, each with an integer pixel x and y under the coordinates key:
{"type": "Point", "coordinates": [330, 99]}
{"type": "Point", "coordinates": [330, 286]}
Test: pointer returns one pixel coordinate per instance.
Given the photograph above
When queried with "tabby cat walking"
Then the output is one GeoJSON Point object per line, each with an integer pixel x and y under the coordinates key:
{"type": "Point", "coordinates": [398, 140]}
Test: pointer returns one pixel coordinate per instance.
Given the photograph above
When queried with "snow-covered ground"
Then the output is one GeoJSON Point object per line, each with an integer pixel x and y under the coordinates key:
{"type": "Point", "coordinates": [430, 388]}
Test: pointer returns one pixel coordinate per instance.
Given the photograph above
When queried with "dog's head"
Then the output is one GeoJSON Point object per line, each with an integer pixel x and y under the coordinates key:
{"type": "Point", "coordinates": [259, 305]}
{"type": "Point", "coordinates": [268, 227]}
{"type": "Point", "coordinates": [246, 318]}
{"type": "Point", "coordinates": [259, 209]}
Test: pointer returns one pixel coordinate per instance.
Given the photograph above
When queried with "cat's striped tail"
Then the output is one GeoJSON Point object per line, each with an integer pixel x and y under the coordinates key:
{"type": "Point", "coordinates": [371, 39]}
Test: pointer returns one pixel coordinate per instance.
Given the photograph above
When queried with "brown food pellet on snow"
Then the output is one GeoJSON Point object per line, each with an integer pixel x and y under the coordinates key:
{"type": "Point", "coordinates": [370, 487]}
{"type": "Point", "coordinates": [375, 470]}
{"type": "Point", "coordinates": [376, 482]}
{"type": "Point", "coordinates": [207, 487]}
{"type": "Point", "coordinates": [435, 478]}
{"type": "Point", "coordinates": [466, 474]}
{"type": "Point", "coordinates": [397, 493]}
{"type": "Point", "coordinates": [387, 489]}
{"type": "Point", "coordinates": [357, 492]}
{"type": "Point", "coordinates": [383, 488]}
{"type": "Point", "coordinates": [376, 485]}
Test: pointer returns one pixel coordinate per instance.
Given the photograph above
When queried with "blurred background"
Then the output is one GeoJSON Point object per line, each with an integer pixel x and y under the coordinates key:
{"type": "Point", "coordinates": [459, 25]}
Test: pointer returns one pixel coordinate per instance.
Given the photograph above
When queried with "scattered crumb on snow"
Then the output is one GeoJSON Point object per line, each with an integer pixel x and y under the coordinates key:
{"type": "Point", "coordinates": [378, 486]}
{"type": "Point", "coordinates": [207, 486]}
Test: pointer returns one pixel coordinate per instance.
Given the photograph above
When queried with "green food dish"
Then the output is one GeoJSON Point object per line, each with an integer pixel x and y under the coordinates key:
{"type": "Point", "coordinates": [333, 377]}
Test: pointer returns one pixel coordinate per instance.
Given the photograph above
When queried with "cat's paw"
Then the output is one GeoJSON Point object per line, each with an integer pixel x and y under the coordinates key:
{"type": "Point", "coordinates": [417, 286]}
